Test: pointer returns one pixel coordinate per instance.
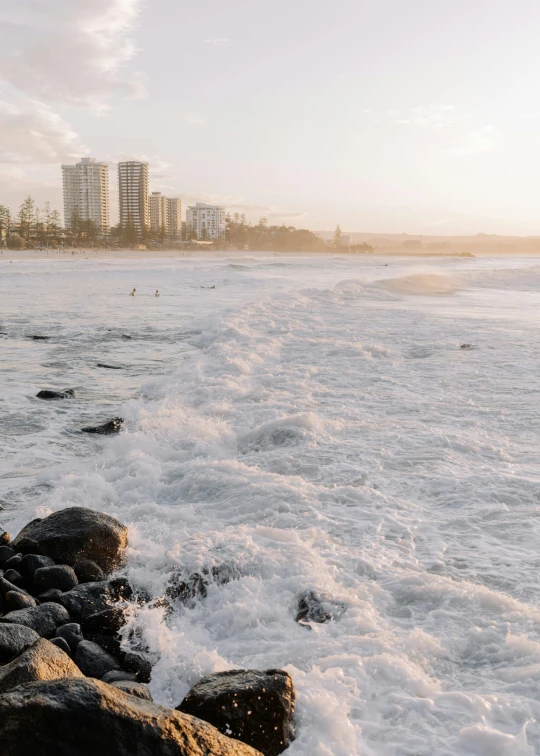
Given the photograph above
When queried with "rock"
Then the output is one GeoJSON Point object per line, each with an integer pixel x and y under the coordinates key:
{"type": "Point", "coordinates": [32, 562]}
{"type": "Point", "coordinates": [93, 660]}
{"type": "Point", "coordinates": [44, 619]}
{"type": "Point", "coordinates": [88, 571]}
{"type": "Point", "coordinates": [41, 661]}
{"type": "Point", "coordinates": [50, 394]}
{"type": "Point", "coordinates": [53, 594]}
{"type": "Point", "coordinates": [73, 534]}
{"type": "Point", "coordinates": [6, 587]}
{"type": "Point", "coordinates": [111, 644]}
{"type": "Point", "coordinates": [254, 707]}
{"type": "Point", "coordinates": [184, 588]}
{"type": "Point", "coordinates": [14, 600]}
{"type": "Point", "coordinates": [14, 639]}
{"type": "Point", "coordinates": [314, 608]}
{"type": "Point", "coordinates": [14, 563]}
{"type": "Point", "coordinates": [91, 598]}
{"type": "Point", "coordinates": [89, 717]}
{"type": "Point", "coordinates": [4, 538]}
{"type": "Point", "coordinates": [72, 634]}
{"type": "Point", "coordinates": [141, 667]}
{"type": "Point", "coordinates": [119, 675]}
{"type": "Point", "coordinates": [58, 576]}
{"type": "Point", "coordinates": [107, 622]}
{"type": "Point", "coordinates": [63, 645]}
{"type": "Point", "coordinates": [6, 552]}
{"type": "Point", "coordinates": [133, 689]}
{"type": "Point", "coordinates": [106, 429]}
{"type": "Point", "coordinates": [14, 577]}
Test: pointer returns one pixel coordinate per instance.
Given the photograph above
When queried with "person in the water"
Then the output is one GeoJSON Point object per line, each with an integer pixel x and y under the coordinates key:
{"type": "Point", "coordinates": [157, 293]}
{"type": "Point", "coordinates": [133, 293]}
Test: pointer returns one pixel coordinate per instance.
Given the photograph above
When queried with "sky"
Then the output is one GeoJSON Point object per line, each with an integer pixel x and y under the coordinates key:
{"type": "Point", "coordinates": [417, 116]}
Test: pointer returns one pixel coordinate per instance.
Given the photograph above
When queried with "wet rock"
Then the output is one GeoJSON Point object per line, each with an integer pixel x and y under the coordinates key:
{"type": "Point", "coordinates": [89, 717]}
{"type": "Point", "coordinates": [107, 622]}
{"type": "Point", "coordinates": [6, 587]}
{"type": "Point", "coordinates": [62, 644]}
{"type": "Point", "coordinates": [119, 675]}
{"type": "Point", "coordinates": [141, 667]}
{"type": "Point", "coordinates": [52, 594]}
{"type": "Point", "coordinates": [91, 598]}
{"type": "Point", "coordinates": [14, 577]}
{"type": "Point", "coordinates": [14, 563]}
{"type": "Point", "coordinates": [50, 394]}
{"type": "Point", "coordinates": [44, 619]}
{"type": "Point", "coordinates": [32, 562]}
{"type": "Point", "coordinates": [109, 643]}
{"type": "Point", "coordinates": [14, 600]}
{"type": "Point", "coordinates": [314, 608]}
{"type": "Point", "coordinates": [185, 588]}
{"type": "Point", "coordinates": [73, 534]}
{"type": "Point", "coordinates": [93, 660]}
{"type": "Point", "coordinates": [58, 576]}
{"type": "Point", "coordinates": [140, 690]}
{"type": "Point", "coordinates": [88, 571]}
{"type": "Point", "coordinates": [41, 661]}
{"type": "Point", "coordinates": [106, 429]}
{"type": "Point", "coordinates": [254, 707]}
{"type": "Point", "coordinates": [72, 634]}
{"type": "Point", "coordinates": [6, 553]}
{"type": "Point", "coordinates": [14, 639]}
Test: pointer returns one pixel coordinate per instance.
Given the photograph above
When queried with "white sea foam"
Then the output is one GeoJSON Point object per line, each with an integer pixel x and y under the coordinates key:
{"type": "Point", "coordinates": [307, 430]}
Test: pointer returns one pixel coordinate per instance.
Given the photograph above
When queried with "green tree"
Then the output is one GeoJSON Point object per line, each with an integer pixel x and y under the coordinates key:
{"type": "Point", "coordinates": [14, 241]}
{"type": "Point", "coordinates": [5, 222]}
{"type": "Point", "coordinates": [130, 235]}
{"type": "Point", "coordinates": [55, 223]}
{"type": "Point", "coordinates": [337, 236]}
{"type": "Point", "coordinates": [26, 218]}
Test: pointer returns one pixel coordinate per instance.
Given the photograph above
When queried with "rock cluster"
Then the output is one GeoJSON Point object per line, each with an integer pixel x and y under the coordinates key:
{"type": "Point", "coordinates": [68, 687]}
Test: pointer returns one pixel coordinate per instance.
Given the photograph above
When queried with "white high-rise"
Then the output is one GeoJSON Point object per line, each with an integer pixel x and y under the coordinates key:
{"type": "Point", "coordinates": [159, 213]}
{"type": "Point", "coordinates": [86, 193]}
{"type": "Point", "coordinates": [175, 217]}
{"type": "Point", "coordinates": [133, 194]}
{"type": "Point", "coordinates": [206, 221]}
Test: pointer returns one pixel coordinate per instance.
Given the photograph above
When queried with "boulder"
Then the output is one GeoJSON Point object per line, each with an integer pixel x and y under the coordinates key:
{"type": "Point", "coordinates": [6, 552]}
{"type": "Point", "coordinates": [6, 587]}
{"type": "Point", "coordinates": [119, 675]}
{"type": "Point", "coordinates": [44, 619]}
{"type": "Point", "coordinates": [32, 562]}
{"type": "Point", "coordinates": [71, 633]}
{"type": "Point", "coordinates": [89, 717]}
{"type": "Point", "coordinates": [50, 394]}
{"type": "Point", "coordinates": [41, 661]}
{"type": "Point", "coordinates": [14, 563]}
{"type": "Point", "coordinates": [133, 689]}
{"type": "Point", "coordinates": [315, 608]}
{"type": "Point", "coordinates": [14, 639]}
{"type": "Point", "coordinates": [63, 645]}
{"type": "Point", "coordinates": [92, 598]}
{"type": "Point", "coordinates": [58, 576]}
{"type": "Point", "coordinates": [73, 534]}
{"type": "Point", "coordinates": [13, 600]}
{"type": "Point", "coordinates": [141, 667]}
{"type": "Point", "coordinates": [14, 577]}
{"type": "Point", "coordinates": [106, 429]}
{"type": "Point", "coordinates": [53, 594]}
{"type": "Point", "coordinates": [93, 660]}
{"type": "Point", "coordinates": [254, 707]}
{"type": "Point", "coordinates": [88, 571]}
{"type": "Point", "coordinates": [107, 622]}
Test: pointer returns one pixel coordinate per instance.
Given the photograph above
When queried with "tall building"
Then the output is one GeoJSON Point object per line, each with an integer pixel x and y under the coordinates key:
{"type": "Point", "coordinates": [206, 221]}
{"type": "Point", "coordinates": [175, 217]}
{"type": "Point", "coordinates": [86, 193]}
{"type": "Point", "coordinates": [159, 213]}
{"type": "Point", "coordinates": [133, 194]}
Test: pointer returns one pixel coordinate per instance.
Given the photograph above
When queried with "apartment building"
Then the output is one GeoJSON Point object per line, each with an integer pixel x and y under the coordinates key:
{"type": "Point", "coordinates": [206, 221]}
{"type": "Point", "coordinates": [133, 194]}
{"type": "Point", "coordinates": [159, 213]}
{"type": "Point", "coordinates": [175, 217]}
{"type": "Point", "coordinates": [86, 193]}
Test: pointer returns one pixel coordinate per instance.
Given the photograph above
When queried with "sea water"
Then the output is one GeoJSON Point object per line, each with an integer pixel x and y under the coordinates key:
{"type": "Point", "coordinates": [310, 424]}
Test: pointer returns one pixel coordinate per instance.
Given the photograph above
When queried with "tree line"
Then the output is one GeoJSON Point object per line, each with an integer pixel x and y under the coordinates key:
{"type": "Point", "coordinates": [29, 224]}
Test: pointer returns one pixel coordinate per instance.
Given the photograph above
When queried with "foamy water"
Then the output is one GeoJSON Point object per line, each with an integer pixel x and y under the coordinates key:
{"type": "Point", "coordinates": [309, 424]}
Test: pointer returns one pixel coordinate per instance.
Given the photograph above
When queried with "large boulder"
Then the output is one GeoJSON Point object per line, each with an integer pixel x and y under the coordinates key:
{"type": "Point", "coordinates": [44, 619]}
{"type": "Point", "coordinates": [134, 689]}
{"type": "Point", "coordinates": [74, 534]}
{"type": "Point", "coordinates": [254, 707]}
{"type": "Point", "coordinates": [58, 576]}
{"type": "Point", "coordinates": [93, 660]}
{"type": "Point", "coordinates": [88, 717]}
{"type": "Point", "coordinates": [14, 639]}
{"type": "Point", "coordinates": [92, 598]}
{"type": "Point", "coordinates": [42, 661]}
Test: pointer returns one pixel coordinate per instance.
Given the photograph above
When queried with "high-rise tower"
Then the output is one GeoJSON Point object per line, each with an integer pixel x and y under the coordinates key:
{"type": "Point", "coordinates": [86, 193]}
{"type": "Point", "coordinates": [133, 194]}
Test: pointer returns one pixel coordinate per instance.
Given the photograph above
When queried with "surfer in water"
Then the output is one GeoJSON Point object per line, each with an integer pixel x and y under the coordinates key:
{"type": "Point", "coordinates": [157, 293]}
{"type": "Point", "coordinates": [133, 293]}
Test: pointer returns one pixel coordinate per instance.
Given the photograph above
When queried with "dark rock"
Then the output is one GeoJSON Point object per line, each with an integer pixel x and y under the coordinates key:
{"type": "Point", "coordinates": [62, 644]}
{"type": "Point", "coordinates": [53, 594]}
{"type": "Point", "coordinates": [315, 608]}
{"type": "Point", "coordinates": [111, 644]}
{"type": "Point", "coordinates": [254, 707]}
{"type": "Point", "coordinates": [4, 538]}
{"type": "Point", "coordinates": [137, 689]}
{"type": "Point", "coordinates": [88, 571]}
{"type": "Point", "coordinates": [107, 622]}
{"type": "Point", "coordinates": [14, 600]}
{"type": "Point", "coordinates": [14, 563]}
{"type": "Point", "coordinates": [6, 587]}
{"type": "Point", "coordinates": [14, 639]}
{"type": "Point", "coordinates": [6, 552]}
{"type": "Point", "coordinates": [76, 533]}
{"type": "Point", "coordinates": [44, 619]}
{"type": "Point", "coordinates": [141, 667]}
{"type": "Point", "coordinates": [32, 562]}
{"type": "Point", "coordinates": [184, 588]}
{"type": "Point", "coordinates": [58, 576]}
{"type": "Point", "coordinates": [92, 598]}
{"type": "Point", "coordinates": [14, 577]}
{"type": "Point", "coordinates": [109, 367]}
{"type": "Point", "coordinates": [41, 661]}
{"type": "Point", "coordinates": [93, 660]}
{"type": "Point", "coordinates": [106, 429]}
{"type": "Point", "coordinates": [72, 634]}
{"type": "Point", "coordinates": [117, 675]}
{"type": "Point", "coordinates": [89, 717]}
{"type": "Point", "coordinates": [50, 394]}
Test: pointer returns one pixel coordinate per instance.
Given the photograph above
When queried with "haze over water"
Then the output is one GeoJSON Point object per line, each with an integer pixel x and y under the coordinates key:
{"type": "Point", "coordinates": [312, 423]}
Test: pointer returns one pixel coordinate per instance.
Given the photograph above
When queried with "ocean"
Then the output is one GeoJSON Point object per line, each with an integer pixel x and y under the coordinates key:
{"type": "Point", "coordinates": [311, 425]}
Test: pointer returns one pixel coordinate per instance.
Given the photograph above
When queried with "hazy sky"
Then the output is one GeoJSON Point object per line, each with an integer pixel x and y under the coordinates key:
{"type": "Point", "coordinates": [383, 115]}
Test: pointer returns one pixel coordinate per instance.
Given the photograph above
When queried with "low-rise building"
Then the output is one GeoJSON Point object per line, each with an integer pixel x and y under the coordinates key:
{"type": "Point", "coordinates": [206, 221]}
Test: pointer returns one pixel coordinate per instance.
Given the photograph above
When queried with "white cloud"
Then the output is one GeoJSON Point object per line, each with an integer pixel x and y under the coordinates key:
{"type": "Point", "coordinates": [479, 140]}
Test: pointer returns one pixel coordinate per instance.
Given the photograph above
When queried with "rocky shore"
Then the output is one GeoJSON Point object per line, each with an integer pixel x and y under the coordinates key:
{"type": "Point", "coordinates": [71, 685]}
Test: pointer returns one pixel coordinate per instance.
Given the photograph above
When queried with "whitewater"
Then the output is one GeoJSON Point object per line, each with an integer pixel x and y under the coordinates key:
{"type": "Point", "coordinates": [312, 423]}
